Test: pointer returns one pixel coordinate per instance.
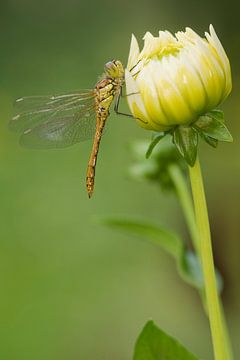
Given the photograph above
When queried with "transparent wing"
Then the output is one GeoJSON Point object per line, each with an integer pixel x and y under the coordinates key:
{"type": "Point", "coordinates": [55, 121]}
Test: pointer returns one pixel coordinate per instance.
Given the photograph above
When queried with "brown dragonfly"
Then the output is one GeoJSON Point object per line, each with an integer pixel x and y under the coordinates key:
{"type": "Point", "coordinates": [63, 120]}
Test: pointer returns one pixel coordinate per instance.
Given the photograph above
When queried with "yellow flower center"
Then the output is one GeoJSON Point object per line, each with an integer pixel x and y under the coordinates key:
{"type": "Point", "coordinates": [169, 49]}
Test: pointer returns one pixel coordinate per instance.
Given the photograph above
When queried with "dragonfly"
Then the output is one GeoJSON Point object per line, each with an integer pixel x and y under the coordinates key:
{"type": "Point", "coordinates": [58, 121]}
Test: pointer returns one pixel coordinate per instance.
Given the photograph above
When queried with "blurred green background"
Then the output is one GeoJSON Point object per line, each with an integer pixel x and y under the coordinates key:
{"type": "Point", "coordinates": [70, 288]}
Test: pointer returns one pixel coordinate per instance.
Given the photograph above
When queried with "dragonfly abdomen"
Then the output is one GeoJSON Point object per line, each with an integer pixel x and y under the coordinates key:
{"type": "Point", "coordinates": [105, 92]}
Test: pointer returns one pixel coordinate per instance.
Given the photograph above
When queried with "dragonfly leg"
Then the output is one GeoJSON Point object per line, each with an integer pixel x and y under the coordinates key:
{"type": "Point", "coordinates": [134, 67]}
{"type": "Point", "coordinates": [116, 107]}
{"type": "Point", "coordinates": [126, 95]}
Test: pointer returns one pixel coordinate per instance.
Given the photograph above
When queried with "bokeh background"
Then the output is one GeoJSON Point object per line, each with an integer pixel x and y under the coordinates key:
{"type": "Point", "coordinates": [71, 288]}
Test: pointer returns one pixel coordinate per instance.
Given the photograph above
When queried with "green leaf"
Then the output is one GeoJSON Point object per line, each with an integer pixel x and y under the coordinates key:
{"type": "Point", "coordinates": [153, 143]}
{"type": "Point", "coordinates": [211, 126]}
{"type": "Point", "coordinates": [154, 344]}
{"type": "Point", "coordinates": [186, 140]}
{"type": "Point", "coordinates": [209, 140]}
{"type": "Point", "coordinates": [187, 263]}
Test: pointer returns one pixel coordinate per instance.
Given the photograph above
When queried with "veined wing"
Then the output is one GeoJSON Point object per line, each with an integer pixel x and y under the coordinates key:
{"type": "Point", "coordinates": [55, 121]}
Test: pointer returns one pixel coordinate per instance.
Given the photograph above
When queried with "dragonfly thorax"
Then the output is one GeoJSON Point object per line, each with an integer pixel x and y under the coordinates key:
{"type": "Point", "coordinates": [110, 85]}
{"type": "Point", "coordinates": [105, 91]}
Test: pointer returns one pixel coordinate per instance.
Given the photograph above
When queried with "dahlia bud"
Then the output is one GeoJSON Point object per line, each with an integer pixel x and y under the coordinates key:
{"type": "Point", "coordinates": [175, 80]}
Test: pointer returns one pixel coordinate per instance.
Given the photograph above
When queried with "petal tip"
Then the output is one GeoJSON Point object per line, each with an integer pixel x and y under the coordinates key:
{"type": "Point", "coordinates": [133, 53]}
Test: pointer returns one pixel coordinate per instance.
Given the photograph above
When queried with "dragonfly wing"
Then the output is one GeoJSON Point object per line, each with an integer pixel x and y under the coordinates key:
{"type": "Point", "coordinates": [60, 133]}
{"type": "Point", "coordinates": [55, 121]}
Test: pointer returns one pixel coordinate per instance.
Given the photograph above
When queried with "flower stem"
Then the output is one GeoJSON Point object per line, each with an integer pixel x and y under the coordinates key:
{"type": "Point", "coordinates": [185, 200]}
{"type": "Point", "coordinates": [218, 330]}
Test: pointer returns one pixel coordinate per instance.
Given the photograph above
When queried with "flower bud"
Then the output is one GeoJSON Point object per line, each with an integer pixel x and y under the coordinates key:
{"type": "Point", "coordinates": [176, 79]}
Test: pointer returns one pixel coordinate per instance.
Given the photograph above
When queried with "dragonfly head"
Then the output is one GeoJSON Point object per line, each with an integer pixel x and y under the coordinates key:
{"type": "Point", "coordinates": [114, 69]}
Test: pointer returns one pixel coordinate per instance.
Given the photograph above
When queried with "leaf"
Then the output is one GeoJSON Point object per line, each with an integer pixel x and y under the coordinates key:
{"type": "Point", "coordinates": [186, 140]}
{"type": "Point", "coordinates": [153, 143]}
{"type": "Point", "coordinates": [187, 262]}
{"type": "Point", "coordinates": [211, 126]}
{"type": "Point", "coordinates": [154, 344]}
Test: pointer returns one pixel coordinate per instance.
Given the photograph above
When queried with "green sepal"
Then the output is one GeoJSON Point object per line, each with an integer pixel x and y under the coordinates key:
{"type": "Point", "coordinates": [186, 140]}
{"type": "Point", "coordinates": [217, 114]}
{"type": "Point", "coordinates": [153, 143]}
{"type": "Point", "coordinates": [155, 344]}
{"type": "Point", "coordinates": [209, 140]}
{"type": "Point", "coordinates": [213, 126]}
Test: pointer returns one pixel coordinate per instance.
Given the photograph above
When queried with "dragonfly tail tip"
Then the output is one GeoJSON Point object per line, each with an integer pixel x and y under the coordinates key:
{"type": "Point", "coordinates": [90, 194]}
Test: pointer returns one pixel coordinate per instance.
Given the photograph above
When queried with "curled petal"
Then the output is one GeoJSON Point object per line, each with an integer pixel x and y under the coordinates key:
{"type": "Point", "coordinates": [133, 54]}
{"type": "Point", "coordinates": [134, 99]}
{"type": "Point", "coordinates": [152, 46]}
{"type": "Point", "coordinates": [136, 103]}
{"type": "Point", "coordinates": [222, 58]}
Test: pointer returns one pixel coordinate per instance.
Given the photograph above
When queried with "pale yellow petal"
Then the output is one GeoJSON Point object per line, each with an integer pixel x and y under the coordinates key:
{"type": "Point", "coordinates": [152, 46]}
{"type": "Point", "coordinates": [189, 83]}
{"type": "Point", "coordinates": [150, 98]}
{"type": "Point", "coordinates": [133, 53]}
{"type": "Point", "coordinates": [209, 71]}
{"type": "Point", "coordinates": [172, 102]}
{"type": "Point", "coordinates": [222, 57]}
{"type": "Point", "coordinates": [134, 100]}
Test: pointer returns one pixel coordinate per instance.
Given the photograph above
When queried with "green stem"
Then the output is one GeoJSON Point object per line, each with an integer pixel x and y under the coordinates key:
{"type": "Point", "coordinates": [225, 329]}
{"type": "Point", "coordinates": [185, 200]}
{"type": "Point", "coordinates": [219, 339]}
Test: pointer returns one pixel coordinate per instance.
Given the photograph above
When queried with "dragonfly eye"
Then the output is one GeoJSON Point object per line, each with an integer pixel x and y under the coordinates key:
{"type": "Point", "coordinates": [114, 69]}
{"type": "Point", "coordinates": [110, 68]}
